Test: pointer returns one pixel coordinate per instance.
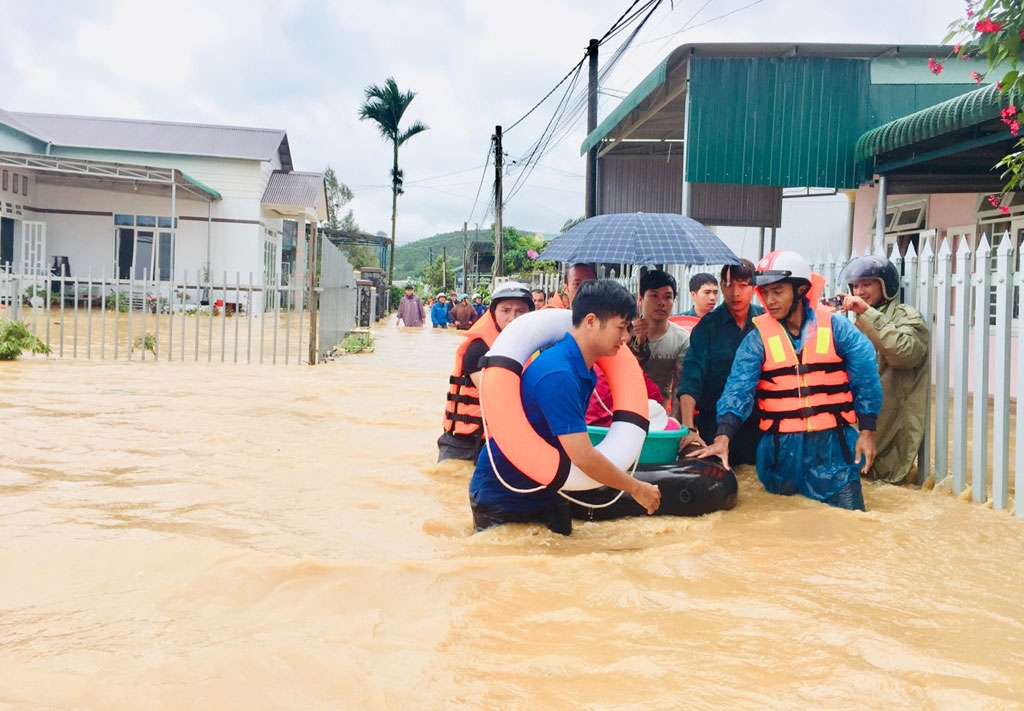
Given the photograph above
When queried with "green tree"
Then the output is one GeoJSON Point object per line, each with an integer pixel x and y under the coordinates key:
{"type": "Point", "coordinates": [432, 276]}
{"type": "Point", "coordinates": [385, 105]}
{"type": "Point", "coordinates": [358, 256]}
{"type": "Point", "coordinates": [520, 252]}
{"type": "Point", "coordinates": [994, 29]}
{"type": "Point", "coordinates": [338, 195]}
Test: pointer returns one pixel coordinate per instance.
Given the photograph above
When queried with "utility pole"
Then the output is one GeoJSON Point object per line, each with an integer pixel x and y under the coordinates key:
{"type": "Point", "coordinates": [444, 268]}
{"type": "Point", "coordinates": [465, 256]}
{"type": "Point", "coordinates": [476, 257]}
{"type": "Point", "coordinates": [498, 246]}
{"type": "Point", "coordinates": [591, 191]}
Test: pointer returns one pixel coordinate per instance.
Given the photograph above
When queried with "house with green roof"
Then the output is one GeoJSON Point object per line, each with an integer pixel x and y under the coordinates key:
{"type": "Point", "coordinates": [732, 134]}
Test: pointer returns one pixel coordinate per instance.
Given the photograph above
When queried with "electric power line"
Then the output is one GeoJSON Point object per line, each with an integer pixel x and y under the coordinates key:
{"type": "Point", "coordinates": [686, 26]}
{"type": "Point", "coordinates": [483, 175]}
{"type": "Point", "coordinates": [564, 119]}
{"type": "Point", "coordinates": [614, 28]}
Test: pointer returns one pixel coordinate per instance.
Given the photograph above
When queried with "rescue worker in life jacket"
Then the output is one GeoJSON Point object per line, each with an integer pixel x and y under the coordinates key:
{"type": "Point", "coordinates": [813, 375]}
{"type": "Point", "coordinates": [463, 427]}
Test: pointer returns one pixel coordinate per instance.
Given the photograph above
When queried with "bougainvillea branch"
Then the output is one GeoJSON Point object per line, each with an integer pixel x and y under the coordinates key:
{"type": "Point", "coordinates": [994, 30]}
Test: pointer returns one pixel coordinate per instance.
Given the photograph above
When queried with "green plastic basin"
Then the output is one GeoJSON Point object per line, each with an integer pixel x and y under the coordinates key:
{"type": "Point", "coordinates": [659, 448]}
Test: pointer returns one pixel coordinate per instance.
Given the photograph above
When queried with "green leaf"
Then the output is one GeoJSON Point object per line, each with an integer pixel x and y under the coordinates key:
{"type": "Point", "coordinates": [1009, 79]}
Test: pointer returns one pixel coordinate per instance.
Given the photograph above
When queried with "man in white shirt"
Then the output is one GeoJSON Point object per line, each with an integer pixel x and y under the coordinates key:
{"type": "Point", "coordinates": [659, 344]}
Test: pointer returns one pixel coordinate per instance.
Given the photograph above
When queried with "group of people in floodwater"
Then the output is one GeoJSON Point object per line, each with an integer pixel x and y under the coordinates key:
{"type": "Point", "coordinates": [794, 385]}
{"type": "Point", "coordinates": [457, 311]}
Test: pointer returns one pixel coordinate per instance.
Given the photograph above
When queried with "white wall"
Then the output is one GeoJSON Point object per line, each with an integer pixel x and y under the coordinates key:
{"type": "Point", "coordinates": [810, 225]}
{"type": "Point", "coordinates": [88, 240]}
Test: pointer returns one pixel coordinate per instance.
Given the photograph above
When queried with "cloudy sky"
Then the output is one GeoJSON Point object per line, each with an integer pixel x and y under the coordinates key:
{"type": "Point", "coordinates": [302, 66]}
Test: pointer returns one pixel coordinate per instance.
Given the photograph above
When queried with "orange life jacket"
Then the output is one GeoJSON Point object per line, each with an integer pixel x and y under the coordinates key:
{"type": "Point", "coordinates": [805, 393]}
{"type": "Point", "coordinates": [462, 410]}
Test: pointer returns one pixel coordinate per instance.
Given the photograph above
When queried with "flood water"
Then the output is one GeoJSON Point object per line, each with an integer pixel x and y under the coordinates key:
{"type": "Point", "coordinates": [216, 536]}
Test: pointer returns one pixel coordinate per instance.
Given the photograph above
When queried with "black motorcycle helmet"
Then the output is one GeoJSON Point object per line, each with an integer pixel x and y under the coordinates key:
{"type": "Point", "coordinates": [872, 266]}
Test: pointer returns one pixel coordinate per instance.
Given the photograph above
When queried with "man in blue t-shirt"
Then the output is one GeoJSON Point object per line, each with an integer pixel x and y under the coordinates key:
{"type": "Point", "coordinates": [555, 390]}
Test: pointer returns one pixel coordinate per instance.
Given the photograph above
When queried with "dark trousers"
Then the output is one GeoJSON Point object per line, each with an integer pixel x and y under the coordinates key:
{"type": "Point", "coordinates": [742, 445]}
{"type": "Point", "coordinates": [556, 517]}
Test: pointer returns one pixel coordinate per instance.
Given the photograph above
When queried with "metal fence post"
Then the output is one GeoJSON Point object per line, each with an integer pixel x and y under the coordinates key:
{"type": "Point", "coordinates": [982, 307]}
{"type": "Point", "coordinates": [961, 358]}
{"type": "Point", "coordinates": [1001, 410]}
{"type": "Point", "coordinates": [1018, 483]}
{"type": "Point", "coordinates": [926, 301]}
{"type": "Point", "coordinates": [943, 309]}
{"type": "Point", "coordinates": [910, 261]}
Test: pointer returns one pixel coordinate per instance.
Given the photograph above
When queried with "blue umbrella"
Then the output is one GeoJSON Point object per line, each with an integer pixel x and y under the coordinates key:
{"type": "Point", "coordinates": [640, 238]}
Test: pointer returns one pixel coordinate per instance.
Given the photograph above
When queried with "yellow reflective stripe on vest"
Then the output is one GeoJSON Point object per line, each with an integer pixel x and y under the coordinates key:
{"type": "Point", "coordinates": [824, 339]}
{"type": "Point", "coordinates": [777, 351]}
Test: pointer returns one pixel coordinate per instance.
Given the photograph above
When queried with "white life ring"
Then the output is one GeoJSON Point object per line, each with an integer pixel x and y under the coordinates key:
{"type": "Point", "coordinates": [506, 423]}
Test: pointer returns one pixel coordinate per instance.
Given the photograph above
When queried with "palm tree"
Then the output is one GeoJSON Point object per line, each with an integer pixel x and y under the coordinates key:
{"type": "Point", "coordinates": [385, 106]}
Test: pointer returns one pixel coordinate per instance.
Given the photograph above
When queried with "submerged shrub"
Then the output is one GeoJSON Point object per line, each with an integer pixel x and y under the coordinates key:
{"type": "Point", "coordinates": [15, 337]}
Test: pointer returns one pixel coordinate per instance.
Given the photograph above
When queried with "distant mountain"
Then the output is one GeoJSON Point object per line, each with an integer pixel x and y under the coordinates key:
{"type": "Point", "coordinates": [412, 257]}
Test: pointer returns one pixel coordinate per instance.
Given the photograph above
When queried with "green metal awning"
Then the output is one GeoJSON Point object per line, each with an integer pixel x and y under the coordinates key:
{"type": "Point", "coordinates": [210, 192]}
{"type": "Point", "coordinates": [960, 112]}
{"type": "Point", "coordinates": [644, 89]}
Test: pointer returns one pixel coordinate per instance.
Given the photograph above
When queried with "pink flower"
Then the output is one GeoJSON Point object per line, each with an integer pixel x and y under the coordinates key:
{"type": "Point", "coordinates": [531, 254]}
{"type": "Point", "coordinates": [1004, 210]}
{"type": "Point", "coordinates": [993, 200]}
{"type": "Point", "coordinates": [988, 26]}
{"type": "Point", "coordinates": [1014, 128]}
{"type": "Point", "coordinates": [976, 77]}
{"type": "Point", "coordinates": [999, 85]}
{"type": "Point", "coordinates": [1020, 33]}
{"type": "Point", "coordinates": [956, 48]}
{"type": "Point", "coordinates": [934, 67]}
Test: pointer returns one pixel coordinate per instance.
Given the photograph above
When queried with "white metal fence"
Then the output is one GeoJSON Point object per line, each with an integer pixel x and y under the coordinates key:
{"type": "Point", "coordinates": [228, 319]}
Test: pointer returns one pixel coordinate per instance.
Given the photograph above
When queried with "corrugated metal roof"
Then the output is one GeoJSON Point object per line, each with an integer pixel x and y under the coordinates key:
{"type": "Point", "coordinates": [959, 112]}
{"type": "Point", "coordinates": [744, 50]}
{"type": "Point", "coordinates": [294, 189]}
{"type": "Point", "coordinates": [7, 118]}
{"type": "Point", "coordinates": [157, 136]}
{"type": "Point", "coordinates": [644, 89]}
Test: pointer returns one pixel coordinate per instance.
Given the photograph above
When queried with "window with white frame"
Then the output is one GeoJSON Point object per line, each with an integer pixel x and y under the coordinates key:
{"type": "Point", "coordinates": [904, 221]}
{"type": "Point", "coordinates": [144, 247]}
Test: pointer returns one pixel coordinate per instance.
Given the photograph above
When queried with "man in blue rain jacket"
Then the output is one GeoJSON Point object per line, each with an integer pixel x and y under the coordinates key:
{"type": "Point", "coordinates": [812, 382]}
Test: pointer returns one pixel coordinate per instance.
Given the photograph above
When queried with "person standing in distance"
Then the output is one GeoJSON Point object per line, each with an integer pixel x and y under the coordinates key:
{"type": "Point", "coordinates": [410, 309]}
{"type": "Point", "coordinates": [439, 312]}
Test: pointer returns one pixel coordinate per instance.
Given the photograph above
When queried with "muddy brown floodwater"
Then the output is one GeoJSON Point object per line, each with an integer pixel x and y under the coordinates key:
{"type": "Point", "coordinates": [208, 536]}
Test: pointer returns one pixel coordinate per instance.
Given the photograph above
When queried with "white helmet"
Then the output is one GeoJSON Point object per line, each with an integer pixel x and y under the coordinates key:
{"type": "Point", "coordinates": [781, 265]}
